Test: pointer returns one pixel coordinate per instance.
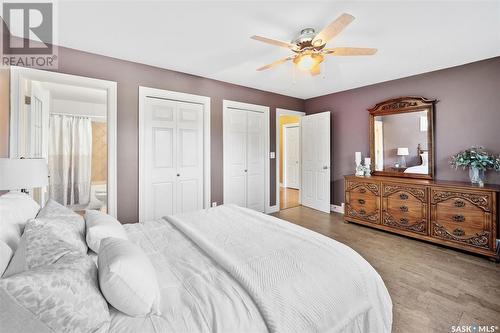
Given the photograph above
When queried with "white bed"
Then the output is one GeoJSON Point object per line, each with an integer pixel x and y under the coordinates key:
{"type": "Point", "coordinates": [230, 269]}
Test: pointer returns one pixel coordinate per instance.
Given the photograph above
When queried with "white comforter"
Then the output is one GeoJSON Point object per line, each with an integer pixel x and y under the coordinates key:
{"type": "Point", "coordinates": [229, 269]}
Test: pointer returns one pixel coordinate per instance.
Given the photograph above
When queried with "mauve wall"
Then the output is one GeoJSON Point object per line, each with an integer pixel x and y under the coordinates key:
{"type": "Point", "coordinates": [468, 113]}
{"type": "Point", "coordinates": [130, 76]}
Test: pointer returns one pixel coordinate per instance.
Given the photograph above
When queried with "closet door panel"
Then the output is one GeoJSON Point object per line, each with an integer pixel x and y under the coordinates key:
{"type": "Point", "coordinates": [163, 199]}
{"type": "Point", "coordinates": [235, 157]}
{"type": "Point", "coordinates": [189, 157]}
{"type": "Point", "coordinates": [255, 161]}
{"type": "Point", "coordinates": [160, 157]}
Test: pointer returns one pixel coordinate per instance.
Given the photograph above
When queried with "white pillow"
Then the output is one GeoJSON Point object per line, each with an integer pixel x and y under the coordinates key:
{"type": "Point", "coordinates": [18, 263]}
{"type": "Point", "coordinates": [127, 278]}
{"type": "Point", "coordinates": [16, 209]}
{"type": "Point", "coordinates": [5, 255]}
{"type": "Point", "coordinates": [99, 226]}
{"type": "Point", "coordinates": [425, 158]}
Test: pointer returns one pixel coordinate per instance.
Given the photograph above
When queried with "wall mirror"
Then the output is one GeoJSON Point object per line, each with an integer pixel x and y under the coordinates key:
{"type": "Point", "coordinates": [70, 121]}
{"type": "Point", "coordinates": [402, 137]}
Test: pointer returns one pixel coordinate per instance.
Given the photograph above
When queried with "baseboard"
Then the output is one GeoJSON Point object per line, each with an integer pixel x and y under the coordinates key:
{"type": "Point", "coordinates": [272, 209]}
{"type": "Point", "coordinates": [337, 209]}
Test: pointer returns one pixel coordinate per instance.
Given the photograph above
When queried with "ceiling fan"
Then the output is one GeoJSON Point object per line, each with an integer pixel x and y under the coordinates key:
{"type": "Point", "coordinates": [309, 46]}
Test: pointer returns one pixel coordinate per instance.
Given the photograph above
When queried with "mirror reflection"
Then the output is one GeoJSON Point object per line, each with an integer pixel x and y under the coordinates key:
{"type": "Point", "coordinates": [66, 124]}
{"type": "Point", "coordinates": [401, 142]}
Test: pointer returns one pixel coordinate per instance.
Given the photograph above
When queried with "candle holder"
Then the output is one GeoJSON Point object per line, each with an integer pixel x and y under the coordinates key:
{"type": "Point", "coordinates": [359, 167]}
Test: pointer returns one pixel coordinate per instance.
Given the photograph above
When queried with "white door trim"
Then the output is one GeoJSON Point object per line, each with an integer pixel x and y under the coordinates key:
{"type": "Point", "coordinates": [182, 97]}
{"type": "Point", "coordinates": [19, 73]}
{"type": "Point", "coordinates": [227, 104]}
{"type": "Point", "coordinates": [285, 127]}
{"type": "Point", "coordinates": [279, 113]}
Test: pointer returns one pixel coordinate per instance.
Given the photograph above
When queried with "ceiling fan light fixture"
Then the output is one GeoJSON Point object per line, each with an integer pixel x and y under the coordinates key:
{"type": "Point", "coordinates": [307, 61]}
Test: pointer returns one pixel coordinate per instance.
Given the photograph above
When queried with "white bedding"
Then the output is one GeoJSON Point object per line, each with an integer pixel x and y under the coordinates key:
{"type": "Point", "coordinates": [229, 269]}
{"type": "Point", "coordinates": [423, 169]}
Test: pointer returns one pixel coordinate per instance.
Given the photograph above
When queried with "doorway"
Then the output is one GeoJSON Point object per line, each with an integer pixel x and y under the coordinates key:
{"type": "Point", "coordinates": [288, 158]}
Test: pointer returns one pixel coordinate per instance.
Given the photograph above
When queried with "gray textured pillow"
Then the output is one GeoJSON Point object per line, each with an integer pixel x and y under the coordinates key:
{"type": "Point", "coordinates": [54, 210]}
{"type": "Point", "coordinates": [44, 242]}
{"type": "Point", "coordinates": [62, 297]}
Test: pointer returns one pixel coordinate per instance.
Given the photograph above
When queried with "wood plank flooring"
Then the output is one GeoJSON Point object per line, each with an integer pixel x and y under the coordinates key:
{"type": "Point", "coordinates": [432, 287]}
{"type": "Point", "coordinates": [289, 197]}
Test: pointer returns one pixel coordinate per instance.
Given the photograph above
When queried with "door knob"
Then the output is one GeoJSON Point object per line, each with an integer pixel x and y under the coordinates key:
{"type": "Point", "coordinates": [246, 170]}
{"type": "Point", "coordinates": [325, 167]}
{"type": "Point", "coordinates": [178, 175]}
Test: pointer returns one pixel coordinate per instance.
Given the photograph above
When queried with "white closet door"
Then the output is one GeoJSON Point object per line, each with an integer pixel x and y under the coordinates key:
{"type": "Point", "coordinates": [160, 157]}
{"type": "Point", "coordinates": [315, 148]}
{"type": "Point", "coordinates": [235, 156]}
{"type": "Point", "coordinates": [173, 157]}
{"type": "Point", "coordinates": [255, 161]}
{"type": "Point", "coordinates": [292, 156]}
{"type": "Point", "coordinates": [189, 157]}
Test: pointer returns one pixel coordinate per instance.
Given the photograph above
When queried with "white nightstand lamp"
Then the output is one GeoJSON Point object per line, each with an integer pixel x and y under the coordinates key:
{"type": "Point", "coordinates": [402, 152]}
{"type": "Point", "coordinates": [23, 174]}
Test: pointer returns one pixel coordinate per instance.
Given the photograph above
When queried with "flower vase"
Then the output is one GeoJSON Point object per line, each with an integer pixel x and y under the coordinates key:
{"type": "Point", "coordinates": [476, 175]}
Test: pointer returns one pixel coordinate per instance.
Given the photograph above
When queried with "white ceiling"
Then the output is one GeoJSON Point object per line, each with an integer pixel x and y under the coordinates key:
{"type": "Point", "coordinates": [211, 39]}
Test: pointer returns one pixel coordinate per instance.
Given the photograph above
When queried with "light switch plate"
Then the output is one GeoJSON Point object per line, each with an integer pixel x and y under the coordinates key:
{"type": "Point", "coordinates": [272, 155]}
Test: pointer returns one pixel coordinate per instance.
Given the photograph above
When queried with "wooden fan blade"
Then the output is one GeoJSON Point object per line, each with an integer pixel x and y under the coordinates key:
{"type": "Point", "coordinates": [274, 64]}
{"type": "Point", "coordinates": [333, 29]}
{"type": "Point", "coordinates": [315, 70]}
{"type": "Point", "coordinates": [350, 51]}
{"type": "Point", "coordinates": [274, 42]}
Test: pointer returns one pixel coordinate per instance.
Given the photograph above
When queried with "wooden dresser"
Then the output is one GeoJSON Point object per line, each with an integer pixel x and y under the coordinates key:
{"type": "Point", "coordinates": [454, 214]}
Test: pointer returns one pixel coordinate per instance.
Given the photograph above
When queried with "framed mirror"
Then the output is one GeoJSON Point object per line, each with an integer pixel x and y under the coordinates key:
{"type": "Point", "coordinates": [70, 121]}
{"type": "Point", "coordinates": [402, 137]}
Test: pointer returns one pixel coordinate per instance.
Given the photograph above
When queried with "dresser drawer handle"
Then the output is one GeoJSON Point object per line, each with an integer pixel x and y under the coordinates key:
{"type": "Point", "coordinates": [459, 232]}
{"type": "Point", "coordinates": [459, 203]}
{"type": "Point", "coordinates": [362, 190]}
{"type": "Point", "coordinates": [458, 218]}
{"type": "Point", "coordinates": [403, 196]}
{"type": "Point", "coordinates": [403, 208]}
{"type": "Point", "coordinates": [403, 221]}
{"type": "Point", "coordinates": [361, 201]}
{"type": "Point", "coordinates": [362, 212]}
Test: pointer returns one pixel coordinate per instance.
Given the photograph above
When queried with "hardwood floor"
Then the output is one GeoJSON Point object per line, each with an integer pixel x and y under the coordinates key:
{"type": "Point", "coordinates": [289, 198]}
{"type": "Point", "coordinates": [432, 287]}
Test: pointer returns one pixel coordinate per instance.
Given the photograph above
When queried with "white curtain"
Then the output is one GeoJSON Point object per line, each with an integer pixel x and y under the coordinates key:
{"type": "Point", "coordinates": [70, 158]}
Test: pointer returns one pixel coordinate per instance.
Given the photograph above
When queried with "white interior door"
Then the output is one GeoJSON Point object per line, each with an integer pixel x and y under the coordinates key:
{"type": "Point", "coordinates": [173, 157]}
{"type": "Point", "coordinates": [291, 158]}
{"type": "Point", "coordinates": [255, 161]}
{"type": "Point", "coordinates": [189, 157]}
{"type": "Point", "coordinates": [235, 156]}
{"type": "Point", "coordinates": [244, 158]}
{"type": "Point", "coordinates": [315, 148]}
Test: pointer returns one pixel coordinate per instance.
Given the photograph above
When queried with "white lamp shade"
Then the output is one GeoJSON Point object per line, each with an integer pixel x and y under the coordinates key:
{"type": "Point", "coordinates": [17, 174]}
{"type": "Point", "coordinates": [403, 152]}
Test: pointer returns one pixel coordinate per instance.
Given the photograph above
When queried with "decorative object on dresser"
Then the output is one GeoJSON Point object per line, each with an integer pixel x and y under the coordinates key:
{"type": "Point", "coordinates": [454, 214]}
{"type": "Point", "coordinates": [478, 160]}
{"type": "Point", "coordinates": [359, 166]}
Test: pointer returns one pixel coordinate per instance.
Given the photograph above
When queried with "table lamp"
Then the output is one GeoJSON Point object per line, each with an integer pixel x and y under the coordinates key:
{"type": "Point", "coordinates": [23, 174]}
{"type": "Point", "coordinates": [402, 152]}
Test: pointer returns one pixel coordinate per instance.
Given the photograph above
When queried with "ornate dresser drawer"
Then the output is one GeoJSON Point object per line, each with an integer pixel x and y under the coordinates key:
{"type": "Point", "coordinates": [464, 217]}
{"type": "Point", "coordinates": [362, 201]}
{"type": "Point", "coordinates": [405, 207]}
{"type": "Point", "coordinates": [453, 214]}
